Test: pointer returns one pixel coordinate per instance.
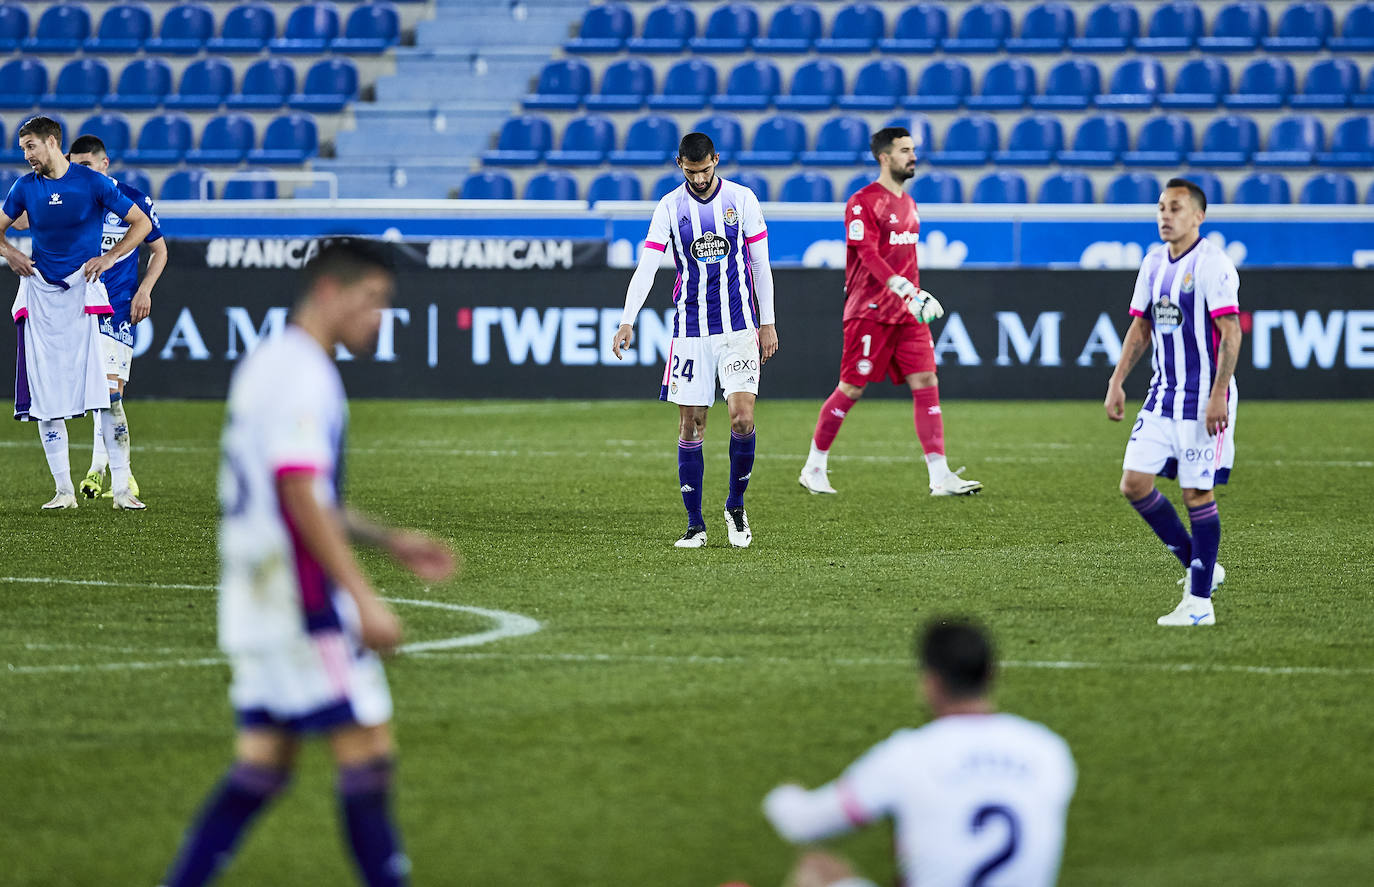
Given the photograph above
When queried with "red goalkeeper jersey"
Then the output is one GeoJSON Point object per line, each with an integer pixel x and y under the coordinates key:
{"type": "Point", "coordinates": [881, 229]}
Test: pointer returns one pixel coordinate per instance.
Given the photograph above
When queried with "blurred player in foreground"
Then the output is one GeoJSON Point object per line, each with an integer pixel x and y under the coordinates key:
{"type": "Point", "coordinates": [60, 372]}
{"type": "Point", "coordinates": [977, 797]}
{"type": "Point", "coordinates": [299, 620]}
{"type": "Point", "coordinates": [886, 317]}
{"type": "Point", "coordinates": [724, 326]}
{"type": "Point", "coordinates": [1186, 303]}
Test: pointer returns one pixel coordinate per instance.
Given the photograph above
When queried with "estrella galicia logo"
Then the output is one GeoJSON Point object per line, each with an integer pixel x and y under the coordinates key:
{"type": "Point", "coordinates": [710, 248]}
{"type": "Point", "coordinates": [1167, 316]}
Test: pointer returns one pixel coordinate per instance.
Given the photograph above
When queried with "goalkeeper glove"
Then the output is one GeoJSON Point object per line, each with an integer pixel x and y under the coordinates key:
{"type": "Point", "coordinates": [922, 305]}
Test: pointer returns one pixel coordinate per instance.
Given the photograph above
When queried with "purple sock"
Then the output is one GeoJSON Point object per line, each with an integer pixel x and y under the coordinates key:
{"type": "Point", "coordinates": [1159, 513]}
{"type": "Point", "coordinates": [364, 793]}
{"type": "Point", "coordinates": [1206, 540]}
{"type": "Point", "coordinates": [741, 467]}
{"type": "Point", "coordinates": [242, 794]}
{"type": "Point", "coordinates": [691, 468]}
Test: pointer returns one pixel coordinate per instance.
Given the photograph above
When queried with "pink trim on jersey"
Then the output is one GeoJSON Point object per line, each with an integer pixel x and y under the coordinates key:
{"type": "Point", "coordinates": [1136, 312]}
{"type": "Point", "coordinates": [23, 313]}
{"type": "Point", "coordinates": [661, 247]}
{"type": "Point", "coordinates": [310, 575]}
{"type": "Point", "coordinates": [99, 309]}
{"type": "Point", "coordinates": [297, 468]}
{"type": "Point", "coordinates": [668, 367]}
{"type": "Point", "coordinates": [1221, 441]}
{"type": "Point", "coordinates": [853, 811]}
{"type": "Point", "coordinates": [334, 654]}
{"type": "Point", "coordinates": [757, 237]}
{"type": "Point", "coordinates": [1224, 310]}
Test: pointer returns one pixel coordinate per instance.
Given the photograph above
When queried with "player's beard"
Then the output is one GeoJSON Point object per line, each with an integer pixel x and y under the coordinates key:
{"type": "Point", "coordinates": [703, 189]}
{"type": "Point", "coordinates": [901, 175]}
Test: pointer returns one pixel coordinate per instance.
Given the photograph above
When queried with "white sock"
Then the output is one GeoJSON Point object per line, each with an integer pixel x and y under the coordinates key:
{"type": "Point", "coordinates": [119, 459]}
{"type": "Point", "coordinates": [937, 466]}
{"type": "Point", "coordinates": [817, 458]}
{"type": "Point", "coordinates": [120, 419]}
{"type": "Point", "coordinates": [53, 434]}
{"type": "Point", "coordinates": [98, 458]}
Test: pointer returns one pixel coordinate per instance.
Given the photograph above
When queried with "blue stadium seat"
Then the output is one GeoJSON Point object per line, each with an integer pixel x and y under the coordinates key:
{"type": "Point", "coordinates": [246, 29]}
{"type": "Point", "coordinates": [919, 127]}
{"type": "Point", "coordinates": [124, 28]}
{"type": "Point", "coordinates": [227, 139]}
{"type": "Point", "coordinates": [1293, 142]}
{"type": "Point", "coordinates": [14, 28]}
{"type": "Point", "coordinates": [794, 28]}
{"type": "Point", "coordinates": [624, 87]}
{"type": "Point", "coordinates": [1329, 84]}
{"type": "Point", "coordinates": [1328, 188]}
{"type": "Point", "coordinates": [856, 29]}
{"type": "Point", "coordinates": [551, 184]}
{"type": "Point", "coordinates": [666, 183]}
{"type": "Point", "coordinates": [1006, 86]}
{"type": "Point", "coordinates": [1069, 86]}
{"type": "Point", "coordinates": [26, 81]}
{"type": "Point", "coordinates": [163, 139]}
{"type": "Point", "coordinates": [1228, 141]}
{"type": "Point", "coordinates": [1303, 27]}
{"type": "Point", "coordinates": [1263, 188]}
{"type": "Point", "coordinates": [751, 180]}
{"type": "Point", "coordinates": [616, 185]}
{"type": "Point", "coordinates": [808, 187]}
{"type": "Point", "coordinates": [937, 187]}
{"type": "Point", "coordinates": [143, 84]}
{"type": "Point", "coordinates": [943, 86]}
{"type": "Point", "coordinates": [751, 86]}
{"type": "Point", "coordinates": [1132, 187]}
{"type": "Point", "coordinates": [1265, 83]}
{"type": "Point", "coordinates": [62, 28]}
{"type": "Point", "coordinates": [1238, 27]}
{"type": "Point", "coordinates": [857, 183]}
{"type": "Point", "coordinates": [586, 142]}
{"type": "Point", "coordinates": [1163, 141]}
{"type": "Point", "coordinates": [7, 180]}
{"type": "Point", "coordinates": [1003, 186]}
{"type": "Point", "coordinates": [1034, 141]}
{"type": "Point", "coordinates": [1357, 32]}
{"type": "Point", "coordinates": [816, 86]}
{"type": "Point", "coordinates": [667, 29]}
{"type": "Point", "coordinates": [137, 179]}
{"type": "Point", "coordinates": [731, 28]}
{"type": "Point", "coordinates": [879, 86]}
{"type": "Point", "coordinates": [1099, 141]}
{"type": "Point", "coordinates": [921, 27]}
{"type": "Point", "coordinates": [563, 84]}
{"type": "Point", "coordinates": [489, 185]}
{"type": "Point", "coordinates": [777, 142]}
{"type": "Point", "coordinates": [245, 188]}
{"type": "Point", "coordinates": [1066, 186]}
{"type": "Point", "coordinates": [267, 84]}
{"type": "Point", "coordinates": [310, 28]}
{"type": "Point", "coordinates": [1210, 184]}
{"type": "Point", "coordinates": [686, 87]}
{"type": "Point", "coordinates": [185, 184]}
{"type": "Point", "coordinates": [970, 141]}
{"type": "Point", "coordinates": [288, 139]}
{"type": "Point", "coordinates": [1369, 195]}
{"type": "Point", "coordinates": [185, 30]}
{"type": "Point", "coordinates": [983, 28]}
{"type": "Point", "coordinates": [372, 27]}
{"type": "Point", "coordinates": [205, 84]}
{"type": "Point", "coordinates": [81, 83]}
{"type": "Point", "coordinates": [1174, 27]}
{"type": "Point", "coordinates": [604, 28]}
{"type": "Point", "coordinates": [111, 128]}
{"type": "Point", "coordinates": [523, 141]}
{"type": "Point", "coordinates": [1047, 27]}
{"type": "Point", "coordinates": [1200, 83]}
{"type": "Point", "coordinates": [841, 141]}
{"type": "Point", "coordinates": [1136, 83]}
{"type": "Point", "coordinates": [1111, 27]}
{"type": "Point", "coordinates": [726, 134]}
{"type": "Point", "coordinates": [1352, 144]}
{"type": "Point", "coordinates": [1365, 99]}
{"type": "Point", "coordinates": [651, 141]}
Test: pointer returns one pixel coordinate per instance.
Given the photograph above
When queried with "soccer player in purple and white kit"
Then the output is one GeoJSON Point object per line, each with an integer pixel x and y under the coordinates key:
{"type": "Point", "coordinates": [724, 327]}
{"type": "Point", "coordinates": [1185, 302]}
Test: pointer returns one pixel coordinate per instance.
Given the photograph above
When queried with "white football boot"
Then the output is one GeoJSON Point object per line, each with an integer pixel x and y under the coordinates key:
{"type": "Point", "coordinates": [695, 537]}
{"type": "Point", "coordinates": [62, 500]}
{"type": "Point", "coordinates": [1218, 577]}
{"type": "Point", "coordinates": [127, 501]}
{"type": "Point", "coordinates": [813, 479]}
{"type": "Point", "coordinates": [737, 527]}
{"type": "Point", "coordinates": [954, 485]}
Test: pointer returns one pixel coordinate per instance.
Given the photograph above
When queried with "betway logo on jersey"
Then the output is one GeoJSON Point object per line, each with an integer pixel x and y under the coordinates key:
{"type": "Point", "coordinates": [902, 238]}
{"type": "Point", "coordinates": [563, 336]}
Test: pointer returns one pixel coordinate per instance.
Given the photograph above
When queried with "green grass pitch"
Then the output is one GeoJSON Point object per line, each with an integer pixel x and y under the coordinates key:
{"type": "Point", "coordinates": [629, 741]}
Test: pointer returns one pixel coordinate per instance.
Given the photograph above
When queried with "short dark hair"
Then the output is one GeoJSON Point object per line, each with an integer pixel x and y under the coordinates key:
{"type": "Point", "coordinates": [349, 259]}
{"type": "Point", "coordinates": [959, 653]}
{"type": "Point", "coordinates": [87, 145]}
{"type": "Point", "coordinates": [882, 139]}
{"type": "Point", "coordinates": [1198, 196]}
{"type": "Point", "coordinates": [696, 147]}
{"type": "Point", "coordinates": [42, 127]}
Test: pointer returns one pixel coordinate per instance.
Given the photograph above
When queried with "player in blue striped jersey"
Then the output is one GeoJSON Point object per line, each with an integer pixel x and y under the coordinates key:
{"type": "Point", "coordinates": [724, 326]}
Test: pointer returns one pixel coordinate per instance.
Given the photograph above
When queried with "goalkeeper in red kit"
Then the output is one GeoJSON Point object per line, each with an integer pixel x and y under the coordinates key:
{"type": "Point", "coordinates": [886, 317]}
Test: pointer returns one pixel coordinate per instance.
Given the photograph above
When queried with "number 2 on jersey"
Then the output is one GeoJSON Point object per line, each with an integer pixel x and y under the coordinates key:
{"type": "Point", "coordinates": [686, 371]}
{"type": "Point", "coordinates": [1008, 850]}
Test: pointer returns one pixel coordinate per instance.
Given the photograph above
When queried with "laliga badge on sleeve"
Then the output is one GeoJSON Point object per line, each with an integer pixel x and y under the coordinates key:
{"type": "Point", "coordinates": [856, 229]}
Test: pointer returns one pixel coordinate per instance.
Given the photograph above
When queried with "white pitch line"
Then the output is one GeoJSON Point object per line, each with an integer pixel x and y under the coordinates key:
{"type": "Point", "coordinates": [99, 583]}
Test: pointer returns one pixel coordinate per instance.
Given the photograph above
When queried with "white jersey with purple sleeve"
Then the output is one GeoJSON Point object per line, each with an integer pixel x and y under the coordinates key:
{"type": "Point", "coordinates": [710, 241]}
{"type": "Point", "coordinates": [1181, 299]}
{"type": "Point", "coordinates": [121, 281]}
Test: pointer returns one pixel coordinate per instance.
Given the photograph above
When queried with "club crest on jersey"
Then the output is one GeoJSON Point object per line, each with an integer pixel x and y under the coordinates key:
{"type": "Point", "coordinates": [731, 217]}
{"type": "Point", "coordinates": [1187, 286]}
{"type": "Point", "coordinates": [710, 248]}
{"type": "Point", "coordinates": [112, 219]}
{"type": "Point", "coordinates": [1167, 316]}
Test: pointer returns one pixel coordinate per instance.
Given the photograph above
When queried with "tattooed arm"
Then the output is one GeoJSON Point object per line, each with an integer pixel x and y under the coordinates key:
{"type": "Point", "coordinates": [1228, 350]}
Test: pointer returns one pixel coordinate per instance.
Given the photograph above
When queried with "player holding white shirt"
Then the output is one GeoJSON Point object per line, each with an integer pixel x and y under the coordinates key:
{"type": "Point", "coordinates": [1186, 304]}
{"type": "Point", "coordinates": [724, 327]}
{"type": "Point", "coordinates": [976, 797]}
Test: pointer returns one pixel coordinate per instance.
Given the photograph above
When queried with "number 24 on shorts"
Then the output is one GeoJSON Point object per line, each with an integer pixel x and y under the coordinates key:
{"type": "Point", "coordinates": [685, 371]}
